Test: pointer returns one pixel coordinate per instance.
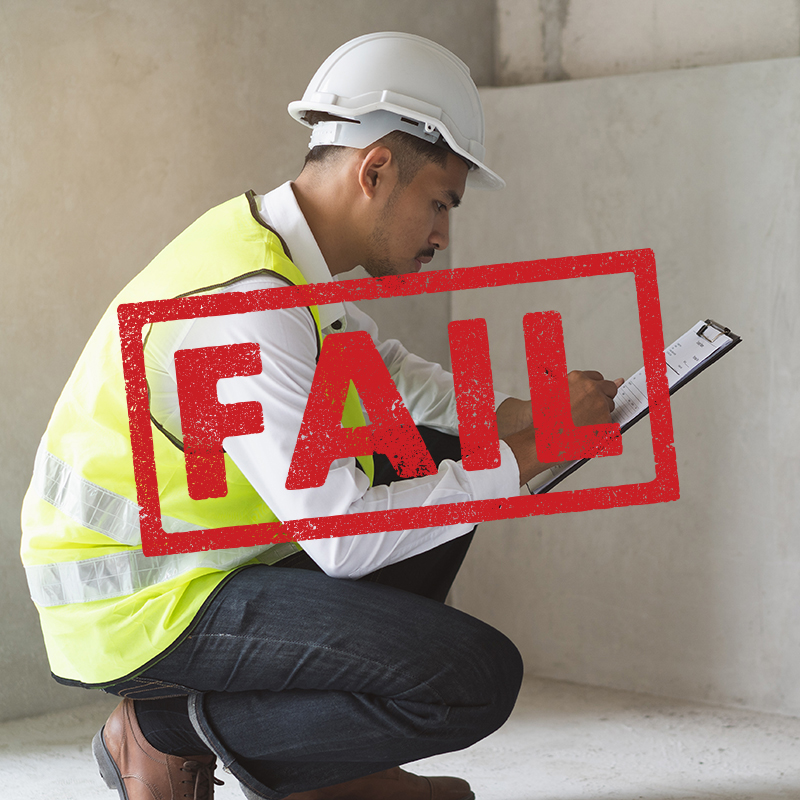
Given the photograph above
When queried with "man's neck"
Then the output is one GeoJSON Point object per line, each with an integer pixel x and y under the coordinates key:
{"type": "Point", "coordinates": [324, 208]}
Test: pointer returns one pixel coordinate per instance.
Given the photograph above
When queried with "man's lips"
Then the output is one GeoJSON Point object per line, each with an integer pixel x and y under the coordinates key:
{"type": "Point", "coordinates": [423, 260]}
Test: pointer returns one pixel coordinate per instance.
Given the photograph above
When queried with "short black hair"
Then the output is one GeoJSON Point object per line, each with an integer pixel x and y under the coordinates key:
{"type": "Point", "coordinates": [410, 152]}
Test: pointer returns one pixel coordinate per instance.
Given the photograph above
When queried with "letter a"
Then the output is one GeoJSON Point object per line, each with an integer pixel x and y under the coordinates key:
{"type": "Point", "coordinates": [352, 358]}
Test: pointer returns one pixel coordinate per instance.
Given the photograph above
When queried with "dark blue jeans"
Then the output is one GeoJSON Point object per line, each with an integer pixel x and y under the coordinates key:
{"type": "Point", "coordinates": [298, 680]}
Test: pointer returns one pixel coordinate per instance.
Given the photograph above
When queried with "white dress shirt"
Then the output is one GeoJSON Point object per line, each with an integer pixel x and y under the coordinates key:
{"type": "Point", "coordinates": [288, 342]}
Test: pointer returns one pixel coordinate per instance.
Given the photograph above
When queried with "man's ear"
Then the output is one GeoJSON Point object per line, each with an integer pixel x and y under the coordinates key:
{"type": "Point", "coordinates": [376, 170]}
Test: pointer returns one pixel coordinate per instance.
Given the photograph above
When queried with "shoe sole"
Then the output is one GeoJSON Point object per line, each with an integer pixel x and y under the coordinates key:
{"type": "Point", "coordinates": [107, 766]}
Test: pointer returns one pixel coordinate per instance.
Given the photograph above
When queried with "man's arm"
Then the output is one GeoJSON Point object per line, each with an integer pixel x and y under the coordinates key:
{"type": "Point", "coordinates": [427, 390]}
{"type": "Point", "coordinates": [513, 416]}
{"type": "Point", "coordinates": [287, 339]}
{"type": "Point", "coordinates": [288, 342]}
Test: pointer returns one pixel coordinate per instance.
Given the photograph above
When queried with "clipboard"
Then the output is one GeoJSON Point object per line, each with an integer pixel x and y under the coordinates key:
{"type": "Point", "coordinates": [698, 348]}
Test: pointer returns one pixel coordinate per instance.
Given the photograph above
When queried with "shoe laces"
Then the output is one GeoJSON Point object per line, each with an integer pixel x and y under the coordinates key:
{"type": "Point", "coordinates": [201, 780]}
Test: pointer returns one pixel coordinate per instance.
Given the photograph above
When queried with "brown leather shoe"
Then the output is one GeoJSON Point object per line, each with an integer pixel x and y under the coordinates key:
{"type": "Point", "coordinates": [129, 764]}
{"type": "Point", "coordinates": [392, 784]}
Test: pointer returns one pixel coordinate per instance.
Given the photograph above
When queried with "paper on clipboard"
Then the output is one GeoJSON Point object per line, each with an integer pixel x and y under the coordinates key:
{"type": "Point", "coordinates": [686, 357]}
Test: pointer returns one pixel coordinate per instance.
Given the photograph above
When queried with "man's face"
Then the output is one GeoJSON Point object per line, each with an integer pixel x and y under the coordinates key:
{"type": "Point", "coordinates": [414, 221]}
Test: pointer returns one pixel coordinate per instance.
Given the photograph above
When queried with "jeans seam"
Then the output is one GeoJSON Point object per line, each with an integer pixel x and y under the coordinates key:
{"type": "Point", "coordinates": [228, 759]}
{"type": "Point", "coordinates": [137, 686]}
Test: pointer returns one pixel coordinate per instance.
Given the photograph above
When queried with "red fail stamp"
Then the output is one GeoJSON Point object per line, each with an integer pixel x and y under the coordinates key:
{"type": "Point", "coordinates": [350, 357]}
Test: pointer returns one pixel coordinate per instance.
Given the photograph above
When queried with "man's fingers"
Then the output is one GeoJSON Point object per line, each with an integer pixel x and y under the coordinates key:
{"type": "Point", "coordinates": [604, 384]}
{"type": "Point", "coordinates": [609, 390]}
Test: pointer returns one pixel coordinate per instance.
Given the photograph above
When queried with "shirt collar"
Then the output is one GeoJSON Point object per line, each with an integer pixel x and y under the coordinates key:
{"type": "Point", "coordinates": [280, 210]}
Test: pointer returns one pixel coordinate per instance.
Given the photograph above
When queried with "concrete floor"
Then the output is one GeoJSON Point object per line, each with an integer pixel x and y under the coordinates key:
{"type": "Point", "coordinates": [563, 742]}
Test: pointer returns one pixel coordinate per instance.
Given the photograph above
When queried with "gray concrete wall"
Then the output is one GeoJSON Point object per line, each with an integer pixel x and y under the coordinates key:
{"type": "Point", "coordinates": [546, 40]}
{"type": "Point", "coordinates": [120, 123]}
{"type": "Point", "coordinates": [696, 598]}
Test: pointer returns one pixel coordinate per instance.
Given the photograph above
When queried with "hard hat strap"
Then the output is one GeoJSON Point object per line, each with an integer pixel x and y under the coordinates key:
{"type": "Point", "coordinates": [364, 130]}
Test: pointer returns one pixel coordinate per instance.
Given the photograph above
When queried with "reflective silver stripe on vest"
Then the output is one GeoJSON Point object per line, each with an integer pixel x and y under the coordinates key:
{"type": "Point", "coordinates": [121, 574]}
{"type": "Point", "coordinates": [88, 504]}
{"type": "Point", "coordinates": [118, 574]}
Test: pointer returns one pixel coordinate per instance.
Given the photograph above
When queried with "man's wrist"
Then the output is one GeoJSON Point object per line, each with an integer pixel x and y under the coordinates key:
{"type": "Point", "coordinates": [523, 445]}
{"type": "Point", "coordinates": [513, 416]}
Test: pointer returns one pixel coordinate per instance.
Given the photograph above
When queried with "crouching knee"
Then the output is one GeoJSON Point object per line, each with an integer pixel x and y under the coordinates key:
{"type": "Point", "coordinates": [504, 678]}
{"type": "Point", "coordinates": [490, 672]}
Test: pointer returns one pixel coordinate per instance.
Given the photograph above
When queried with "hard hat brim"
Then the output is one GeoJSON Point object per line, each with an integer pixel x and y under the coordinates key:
{"type": "Point", "coordinates": [479, 177]}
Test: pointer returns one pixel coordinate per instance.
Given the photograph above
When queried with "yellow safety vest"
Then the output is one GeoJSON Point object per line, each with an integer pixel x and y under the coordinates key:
{"type": "Point", "coordinates": [106, 610]}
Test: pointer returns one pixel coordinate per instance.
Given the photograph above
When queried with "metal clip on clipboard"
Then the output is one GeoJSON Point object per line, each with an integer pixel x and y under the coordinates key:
{"type": "Point", "coordinates": [721, 331]}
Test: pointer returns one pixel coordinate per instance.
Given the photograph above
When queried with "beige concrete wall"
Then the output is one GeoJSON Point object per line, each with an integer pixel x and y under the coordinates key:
{"type": "Point", "coordinates": [121, 122]}
{"type": "Point", "coordinates": [696, 598]}
{"type": "Point", "coordinates": [545, 40]}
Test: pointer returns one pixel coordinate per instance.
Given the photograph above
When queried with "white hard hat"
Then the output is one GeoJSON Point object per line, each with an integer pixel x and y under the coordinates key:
{"type": "Point", "coordinates": [384, 82]}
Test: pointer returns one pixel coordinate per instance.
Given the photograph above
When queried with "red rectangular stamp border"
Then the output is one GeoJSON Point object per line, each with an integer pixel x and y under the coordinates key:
{"type": "Point", "coordinates": [134, 316]}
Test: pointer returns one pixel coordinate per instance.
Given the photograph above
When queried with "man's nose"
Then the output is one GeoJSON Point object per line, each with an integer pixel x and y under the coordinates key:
{"type": "Point", "coordinates": [440, 235]}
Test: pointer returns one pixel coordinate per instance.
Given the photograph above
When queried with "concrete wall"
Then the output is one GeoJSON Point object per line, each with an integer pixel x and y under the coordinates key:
{"type": "Point", "coordinates": [696, 598]}
{"type": "Point", "coordinates": [546, 40]}
{"type": "Point", "coordinates": [121, 122]}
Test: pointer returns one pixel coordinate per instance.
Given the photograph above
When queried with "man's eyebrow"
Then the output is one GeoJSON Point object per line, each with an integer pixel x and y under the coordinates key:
{"type": "Point", "coordinates": [455, 200]}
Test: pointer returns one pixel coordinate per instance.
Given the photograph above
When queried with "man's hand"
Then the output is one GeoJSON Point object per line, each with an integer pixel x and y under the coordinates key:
{"type": "Point", "coordinates": [591, 397]}
{"type": "Point", "coordinates": [591, 401]}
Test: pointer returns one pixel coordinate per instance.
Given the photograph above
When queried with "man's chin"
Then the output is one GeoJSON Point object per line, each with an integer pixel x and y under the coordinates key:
{"type": "Point", "coordinates": [381, 269]}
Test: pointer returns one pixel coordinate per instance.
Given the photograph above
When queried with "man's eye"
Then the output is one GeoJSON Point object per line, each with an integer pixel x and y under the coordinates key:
{"type": "Point", "coordinates": [440, 206]}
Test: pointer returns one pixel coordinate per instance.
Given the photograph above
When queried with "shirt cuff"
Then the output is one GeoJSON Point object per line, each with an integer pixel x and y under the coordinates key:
{"type": "Point", "coordinates": [498, 399]}
{"type": "Point", "coordinates": [502, 481]}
